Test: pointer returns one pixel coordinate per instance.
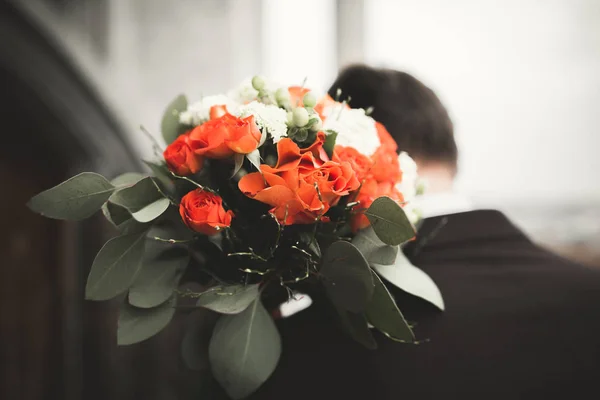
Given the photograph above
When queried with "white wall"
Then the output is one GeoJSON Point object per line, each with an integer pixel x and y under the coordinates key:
{"type": "Point", "coordinates": [521, 79]}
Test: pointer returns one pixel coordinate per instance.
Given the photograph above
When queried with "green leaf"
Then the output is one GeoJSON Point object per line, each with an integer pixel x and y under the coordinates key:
{"type": "Point", "coordinates": [312, 244]}
{"type": "Point", "coordinates": [373, 249]}
{"type": "Point", "coordinates": [347, 276]}
{"type": "Point", "coordinates": [356, 325]}
{"type": "Point", "coordinates": [163, 176]}
{"type": "Point", "coordinates": [170, 126]}
{"type": "Point", "coordinates": [254, 158]}
{"type": "Point", "coordinates": [329, 144]}
{"type": "Point", "coordinates": [244, 350]}
{"type": "Point", "coordinates": [229, 299]}
{"type": "Point", "coordinates": [121, 218]}
{"type": "Point", "coordinates": [77, 198]}
{"type": "Point", "coordinates": [411, 279]}
{"type": "Point", "coordinates": [194, 345]}
{"type": "Point", "coordinates": [115, 267]}
{"type": "Point", "coordinates": [143, 200]}
{"type": "Point", "coordinates": [138, 324]}
{"type": "Point", "coordinates": [128, 178]}
{"type": "Point", "coordinates": [383, 314]}
{"type": "Point", "coordinates": [389, 221]}
{"type": "Point", "coordinates": [158, 278]}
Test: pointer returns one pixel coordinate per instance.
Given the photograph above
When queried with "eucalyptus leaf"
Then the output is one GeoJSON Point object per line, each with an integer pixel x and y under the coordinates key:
{"type": "Point", "coordinates": [75, 199]}
{"type": "Point", "coordinates": [170, 126]}
{"type": "Point", "coordinates": [347, 276]}
{"type": "Point", "coordinates": [138, 324]}
{"type": "Point", "coordinates": [158, 278]}
{"type": "Point", "coordinates": [194, 345]}
{"type": "Point", "coordinates": [356, 325]}
{"type": "Point", "coordinates": [128, 178]}
{"type": "Point", "coordinates": [383, 314]}
{"type": "Point", "coordinates": [164, 179]}
{"type": "Point", "coordinates": [143, 200]}
{"type": "Point", "coordinates": [229, 299]}
{"type": "Point", "coordinates": [254, 158]}
{"type": "Point", "coordinates": [389, 221]}
{"type": "Point", "coordinates": [311, 243]}
{"type": "Point", "coordinates": [115, 266]}
{"type": "Point", "coordinates": [244, 350]}
{"type": "Point", "coordinates": [373, 249]}
{"type": "Point", "coordinates": [121, 218]}
{"type": "Point", "coordinates": [329, 144]}
{"type": "Point", "coordinates": [411, 279]}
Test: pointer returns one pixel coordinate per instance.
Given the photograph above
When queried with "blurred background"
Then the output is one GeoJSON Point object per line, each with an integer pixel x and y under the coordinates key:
{"type": "Point", "coordinates": [521, 79]}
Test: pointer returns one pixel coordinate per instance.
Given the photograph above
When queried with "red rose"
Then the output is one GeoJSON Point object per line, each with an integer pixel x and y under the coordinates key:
{"type": "Point", "coordinates": [180, 157]}
{"type": "Point", "coordinates": [224, 136]}
{"type": "Point", "coordinates": [203, 212]}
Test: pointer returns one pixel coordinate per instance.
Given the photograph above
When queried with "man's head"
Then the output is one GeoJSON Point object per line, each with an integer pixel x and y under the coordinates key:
{"type": "Point", "coordinates": [411, 112]}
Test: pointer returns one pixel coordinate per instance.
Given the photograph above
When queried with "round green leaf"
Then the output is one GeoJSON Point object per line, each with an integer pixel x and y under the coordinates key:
{"type": "Point", "coordinates": [121, 218]}
{"type": "Point", "coordinates": [229, 299]}
{"type": "Point", "coordinates": [373, 249]}
{"type": "Point", "coordinates": [411, 279]}
{"type": "Point", "coordinates": [383, 314]}
{"type": "Point", "coordinates": [137, 324]}
{"type": "Point", "coordinates": [244, 350]}
{"type": "Point", "coordinates": [194, 345]}
{"type": "Point", "coordinates": [128, 178]}
{"type": "Point", "coordinates": [77, 198]}
{"type": "Point", "coordinates": [115, 267]}
{"type": "Point", "coordinates": [347, 276]}
{"type": "Point", "coordinates": [143, 200]}
{"type": "Point", "coordinates": [158, 277]}
{"type": "Point", "coordinates": [355, 324]}
{"type": "Point", "coordinates": [389, 221]}
{"type": "Point", "coordinates": [170, 126]}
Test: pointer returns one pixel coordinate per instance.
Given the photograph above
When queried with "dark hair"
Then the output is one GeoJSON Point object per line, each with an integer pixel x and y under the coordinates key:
{"type": "Point", "coordinates": [411, 112]}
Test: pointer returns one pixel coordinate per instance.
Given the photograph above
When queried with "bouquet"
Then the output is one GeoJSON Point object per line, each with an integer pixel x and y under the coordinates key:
{"type": "Point", "coordinates": [265, 190]}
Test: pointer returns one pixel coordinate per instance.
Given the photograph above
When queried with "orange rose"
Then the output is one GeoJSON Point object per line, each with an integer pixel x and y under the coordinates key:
{"type": "Point", "coordinates": [385, 165]}
{"type": "Point", "coordinates": [224, 136]}
{"type": "Point", "coordinates": [333, 179]}
{"type": "Point", "coordinates": [385, 138]}
{"type": "Point", "coordinates": [360, 163]}
{"type": "Point", "coordinates": [203, 212]}
{"type": "Point", "coordinates": [290, 187]}
{"type": "Point", "coordinates": [180, 157]}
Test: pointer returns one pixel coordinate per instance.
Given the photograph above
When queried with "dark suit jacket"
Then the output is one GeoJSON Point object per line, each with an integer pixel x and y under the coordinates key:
{"type": "Point", "coordinates": [520, 323]}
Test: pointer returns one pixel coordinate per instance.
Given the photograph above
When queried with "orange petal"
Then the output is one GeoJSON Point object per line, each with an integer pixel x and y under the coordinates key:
{"type": "Point", "coordinates": [218, 111]}
{"type": "Point", "coordinates": [251, 184]}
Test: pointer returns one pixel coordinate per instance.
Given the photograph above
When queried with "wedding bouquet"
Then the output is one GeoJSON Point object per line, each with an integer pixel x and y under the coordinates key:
{"type": "Point", "coordinates": [263, 189]}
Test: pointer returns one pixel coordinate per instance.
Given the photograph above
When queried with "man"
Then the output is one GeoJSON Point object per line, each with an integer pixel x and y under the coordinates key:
{"type": "Point", "coordinates": [520, 322]}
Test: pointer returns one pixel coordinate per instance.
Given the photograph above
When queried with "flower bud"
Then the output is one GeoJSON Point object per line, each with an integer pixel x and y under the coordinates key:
{"type": "Point", "coordinates": [317, 125]}
{"type": "Point", "coordinates": [258, 83]}
{"type": "Point", "coordinates": [282, 96]}
{"type": "Point", "coordinates": [300, 116]}
{"type": "Point", "coordinates": [309, 100]}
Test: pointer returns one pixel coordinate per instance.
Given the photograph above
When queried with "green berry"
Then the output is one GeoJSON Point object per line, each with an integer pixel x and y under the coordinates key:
{"type": "Point", "coordinates": [309, 100]}
{"type": "Point", "coordinates": [317, 125]}
{"type": "Point", "coordinates": [258, 83]}
{"type": "Point", "coordinates": [290, 118]}
{"type": "Point", "coordinates": [282, 96]}
{"type": "Point", "coordinates": [300, 117]}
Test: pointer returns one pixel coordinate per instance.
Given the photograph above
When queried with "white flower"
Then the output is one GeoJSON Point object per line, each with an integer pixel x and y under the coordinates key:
{"type": "Point", "coordinates": [268, 117]}
{"type": "Point", "coordinates": [354, 128]}
{"type": "Point", "coordinates": [409, 182]}
{"type": "Point", "coordinates": [199, 112]}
